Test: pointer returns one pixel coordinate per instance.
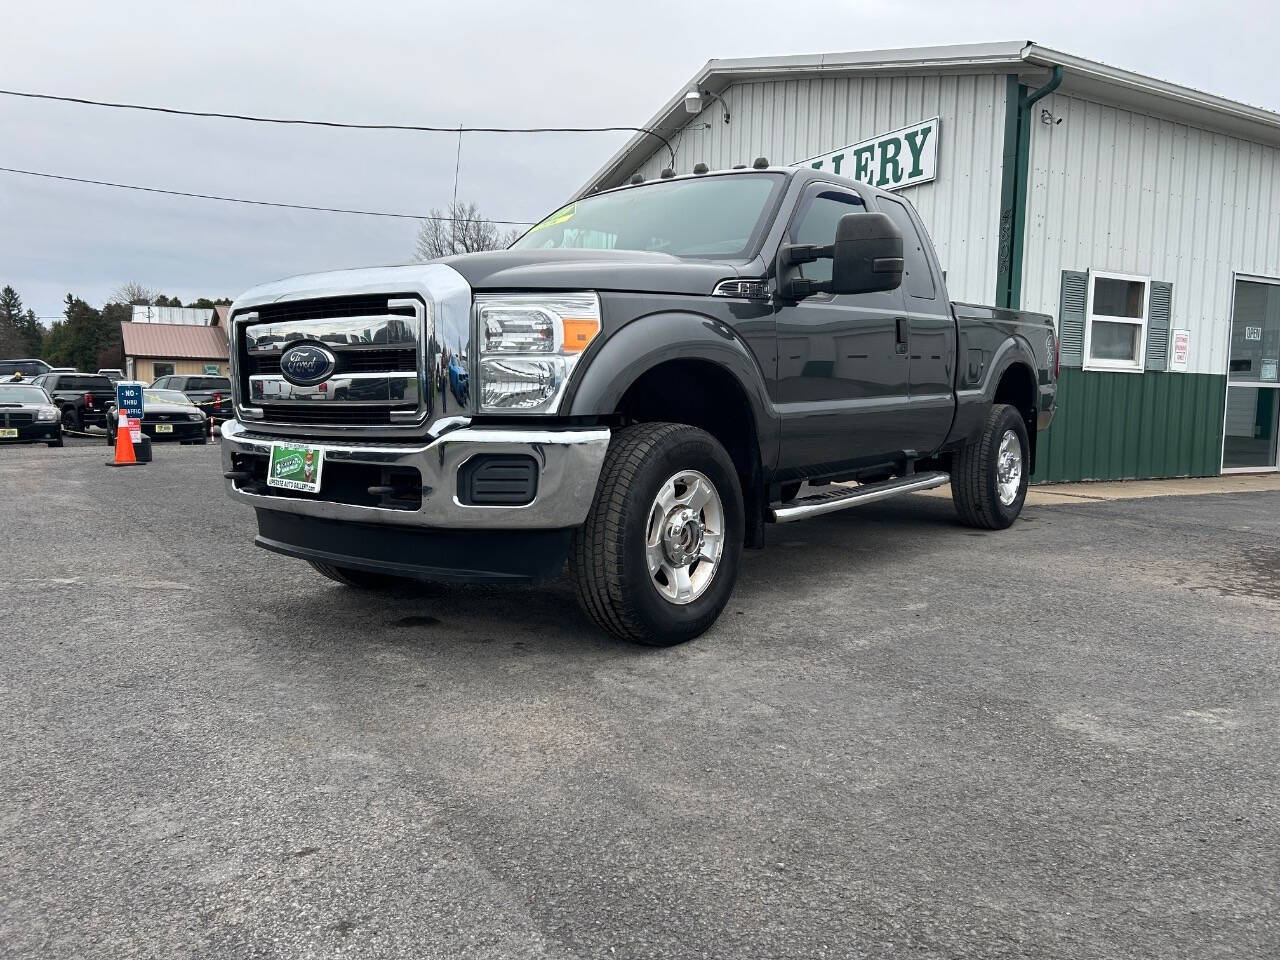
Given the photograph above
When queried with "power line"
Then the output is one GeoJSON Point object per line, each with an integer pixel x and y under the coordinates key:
{"type": "Point", "coordinates": [334, 123]}
{"type": "Point", "coordinates": [265, 203]}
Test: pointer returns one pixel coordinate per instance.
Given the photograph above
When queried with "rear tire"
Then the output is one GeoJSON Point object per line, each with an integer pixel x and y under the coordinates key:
{"type": "Point", "coordinates": [990, 474]}
{"type": "Point", "coordinates": [360, 579]}
{"type": "Point", "coordinates": [658, 556]}
{"type": "Point", "coordinates": [71, 420]}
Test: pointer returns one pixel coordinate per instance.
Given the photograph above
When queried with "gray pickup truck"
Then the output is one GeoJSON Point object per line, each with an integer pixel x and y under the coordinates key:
{"type": "Point", "coordinates": [639, 385]}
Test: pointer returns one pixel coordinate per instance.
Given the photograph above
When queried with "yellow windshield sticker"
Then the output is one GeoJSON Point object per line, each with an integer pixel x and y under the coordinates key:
{"type": "Point", "coordinates": [563, 215]}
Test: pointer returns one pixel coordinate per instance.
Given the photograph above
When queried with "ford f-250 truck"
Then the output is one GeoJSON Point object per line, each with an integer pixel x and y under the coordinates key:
{"type": "Point", "coordinates": [639, 385]}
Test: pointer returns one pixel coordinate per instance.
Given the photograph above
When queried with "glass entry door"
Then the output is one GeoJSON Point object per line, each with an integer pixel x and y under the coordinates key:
{"type": "Point", "coordinates": [1252, 426]}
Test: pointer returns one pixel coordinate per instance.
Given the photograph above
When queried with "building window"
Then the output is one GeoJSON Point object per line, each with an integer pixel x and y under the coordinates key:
{"type": "Point", "coordinates": [162, 369]}
{"type": "Point", "coordinates": [1116, 329]}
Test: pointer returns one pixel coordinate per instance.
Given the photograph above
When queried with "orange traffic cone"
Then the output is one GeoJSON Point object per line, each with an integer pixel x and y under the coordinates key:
{"type": "Point", "coordinates": [124, 448]}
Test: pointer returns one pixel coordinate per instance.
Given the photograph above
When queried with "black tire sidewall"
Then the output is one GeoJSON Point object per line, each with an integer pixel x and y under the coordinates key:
{"type": "Point", "coordinates": [1007, 418]}
{"type": "Point", "coordinates": [666, 621]}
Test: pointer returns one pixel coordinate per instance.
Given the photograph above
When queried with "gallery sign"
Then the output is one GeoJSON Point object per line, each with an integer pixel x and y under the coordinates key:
{"type": "Point", "coordinates": [891, 161]}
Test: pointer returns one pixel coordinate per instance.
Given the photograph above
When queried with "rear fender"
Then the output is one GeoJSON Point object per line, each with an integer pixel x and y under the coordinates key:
{"type": "Point", "coordinates": [975, 399]}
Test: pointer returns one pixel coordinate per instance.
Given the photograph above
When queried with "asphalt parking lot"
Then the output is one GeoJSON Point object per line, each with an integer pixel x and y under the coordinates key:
{"type": "Point", "coordinates": [904, 739]}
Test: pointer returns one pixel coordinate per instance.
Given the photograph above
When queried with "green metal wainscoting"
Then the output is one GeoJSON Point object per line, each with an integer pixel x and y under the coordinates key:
{"type": "Point", "coordinates": [1128, 426]}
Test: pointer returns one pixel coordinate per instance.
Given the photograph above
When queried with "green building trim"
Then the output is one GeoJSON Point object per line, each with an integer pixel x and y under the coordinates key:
{"type": "Point", "coordinates": [1133, 426]}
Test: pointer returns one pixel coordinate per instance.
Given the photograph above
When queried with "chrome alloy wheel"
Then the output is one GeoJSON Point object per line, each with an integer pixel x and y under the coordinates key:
{"type": "Point", "coordinates": [1009, 467]}
{"type": "Point", "coordinates": [684, 538]}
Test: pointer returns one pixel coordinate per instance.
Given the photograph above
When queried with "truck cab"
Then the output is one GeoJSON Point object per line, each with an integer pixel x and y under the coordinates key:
{"type": "Point", "coordinates": [639, 385]}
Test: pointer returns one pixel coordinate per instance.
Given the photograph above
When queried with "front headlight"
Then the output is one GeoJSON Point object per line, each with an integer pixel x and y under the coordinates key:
{"type": "Point", "coordinates": [195, 415]}
{"type": "Point", "coordinates": [529, 345]}
{"type": "Point", "coordinates": [47, 413]}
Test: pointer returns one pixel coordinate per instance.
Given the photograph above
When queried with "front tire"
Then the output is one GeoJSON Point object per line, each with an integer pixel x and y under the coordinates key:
{"type": "Point", "coordinates": [658, 556]}
{"type": "Point", "coordinates": [360, 579]}
{"type": "Point", "coordinates": [990, 474]}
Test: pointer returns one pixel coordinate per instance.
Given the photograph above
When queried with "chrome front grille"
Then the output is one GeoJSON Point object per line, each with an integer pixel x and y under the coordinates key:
{"type": "Point", "coordinates": [379, 344]}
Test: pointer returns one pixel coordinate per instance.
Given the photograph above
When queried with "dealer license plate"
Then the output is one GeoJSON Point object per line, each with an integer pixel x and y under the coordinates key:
{"type": "Point", "coordinates": [295, 466]}
{"type": "Point", "coordinates": [8, 433]}
{"type": "Point", "coordinates": [164, 428]}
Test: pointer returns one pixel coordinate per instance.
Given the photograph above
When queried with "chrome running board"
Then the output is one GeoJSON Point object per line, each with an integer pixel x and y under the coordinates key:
{"type": "Point", "coordinates": [841, 498]}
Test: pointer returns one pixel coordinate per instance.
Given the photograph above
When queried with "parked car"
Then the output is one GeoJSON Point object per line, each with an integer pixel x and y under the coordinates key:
{"type": "Point", "coordinates": [82, 398]}
{"type": "Point", "coordinates": [166, 415]}
{"type": "Point", "coordinates": [28, 415]}
{"type": "Point", "coordinates": [654, 371]}
{"type": "Point", "coordinates": [210, 394]}
{"type": "Point", "coordinates": [114, 374]}
{"type": "Point", "coordinates": [29, 368]}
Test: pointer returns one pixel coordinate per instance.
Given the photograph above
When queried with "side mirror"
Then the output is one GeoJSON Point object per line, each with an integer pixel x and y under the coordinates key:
{"type": "Point", "coordinates": [867, 254]}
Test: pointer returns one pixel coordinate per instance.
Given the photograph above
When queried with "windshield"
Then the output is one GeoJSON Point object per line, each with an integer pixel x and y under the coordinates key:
{"type": "Point", "coordinates": [13, 393]}
{"type": "Point", "coordinates": [714, 216]}
{"type": "Point", "coordinates": [31, 368]}
{"type": "Point", "coordinates": [166, 396]}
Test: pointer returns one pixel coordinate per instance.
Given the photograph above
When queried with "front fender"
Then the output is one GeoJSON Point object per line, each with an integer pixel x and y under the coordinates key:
{"type": "Point", "coordinates": [658, 337]}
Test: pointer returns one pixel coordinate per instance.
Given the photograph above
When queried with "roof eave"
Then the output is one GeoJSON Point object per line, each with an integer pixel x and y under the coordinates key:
{"type": "Point", "coordinates": [1083, 76]}
{"type": "Point", "coordinates": [718, 75]}
{"type": "Point", "coordinates": [1205, 109]}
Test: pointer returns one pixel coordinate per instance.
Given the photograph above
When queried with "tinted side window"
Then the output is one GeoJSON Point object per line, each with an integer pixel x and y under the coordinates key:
{"type": "Point", "coordinates": [918, 279]}
{"type": "Point", "coordinates": [817, 225]}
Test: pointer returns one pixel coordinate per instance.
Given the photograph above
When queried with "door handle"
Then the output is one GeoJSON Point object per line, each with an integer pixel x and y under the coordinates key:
{"type": "Point", "coordinates": [903, 331]}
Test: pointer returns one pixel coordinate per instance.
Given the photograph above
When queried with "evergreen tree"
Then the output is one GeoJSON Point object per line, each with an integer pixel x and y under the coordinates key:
{"type": "Point", "coordinates": [32, 333]}
{"type": "Point", "coordinates": [78, 340]}
{"type": "Point", "coordinates": [12, 342]}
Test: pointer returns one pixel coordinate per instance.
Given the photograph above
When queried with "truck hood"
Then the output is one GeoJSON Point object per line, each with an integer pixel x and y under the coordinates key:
{"type": "Point", "coordinates": [621, 270]}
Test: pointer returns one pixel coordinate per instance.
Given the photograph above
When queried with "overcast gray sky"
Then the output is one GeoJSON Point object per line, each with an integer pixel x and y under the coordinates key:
{"type": "Point", "coordinates": [493, 63]}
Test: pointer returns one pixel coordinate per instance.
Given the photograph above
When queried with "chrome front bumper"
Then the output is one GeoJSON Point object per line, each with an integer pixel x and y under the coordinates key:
{"type": "Point", "coordinates": [569, 463]}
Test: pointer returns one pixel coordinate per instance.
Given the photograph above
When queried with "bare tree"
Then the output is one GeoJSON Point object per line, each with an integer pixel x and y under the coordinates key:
{"type": "Point", "coordinates": [134, 293]}
{"type": "Point", "coordinates": [461, 230]}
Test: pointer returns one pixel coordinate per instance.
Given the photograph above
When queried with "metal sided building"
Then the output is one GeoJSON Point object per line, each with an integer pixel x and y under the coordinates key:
{"type": "Point", "coordinates": [1144, 216]}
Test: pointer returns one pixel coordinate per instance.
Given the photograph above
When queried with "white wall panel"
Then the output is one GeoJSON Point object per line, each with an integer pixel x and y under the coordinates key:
{"type": "Point", "coordinates": [791, 119]}
{"type": "Point", "coordinates": [1112, 189]}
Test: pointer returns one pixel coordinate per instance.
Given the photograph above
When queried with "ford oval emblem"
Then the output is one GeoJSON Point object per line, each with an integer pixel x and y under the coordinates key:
{"type": "Point", "coordinates": [306, 364]}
